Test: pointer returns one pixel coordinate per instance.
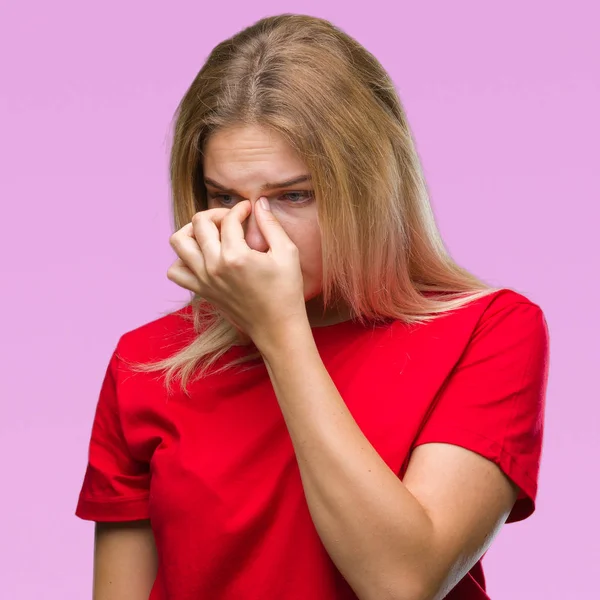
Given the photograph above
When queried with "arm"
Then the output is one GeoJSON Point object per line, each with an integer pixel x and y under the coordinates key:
{"type": "Point", "coordinates": [125, 561]}
{"type": "Point", "coordinates": [391, 539]}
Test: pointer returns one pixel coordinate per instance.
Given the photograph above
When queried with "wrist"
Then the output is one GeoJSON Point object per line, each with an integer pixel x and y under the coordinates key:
{"type": "Point", "coordinates": [290, 337]}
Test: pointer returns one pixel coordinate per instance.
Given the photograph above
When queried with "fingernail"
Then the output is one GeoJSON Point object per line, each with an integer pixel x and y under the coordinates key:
{"type": "Point", "coordinates": [264, 203]}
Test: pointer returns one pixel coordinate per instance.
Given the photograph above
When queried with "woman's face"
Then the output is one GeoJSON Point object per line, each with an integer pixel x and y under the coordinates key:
{"type": "Point", "coordinates": [247, 162]}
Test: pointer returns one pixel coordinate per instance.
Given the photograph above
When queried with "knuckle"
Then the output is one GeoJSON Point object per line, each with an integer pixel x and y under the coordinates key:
{"type": "Point", "coordinates": [175, 240]}
{"type": "Point", "coordinates": [232, 260]}
{"type": "Point", "coordinates": [213, 270]}
{"type": "Point", "coordinates": [171, 273]}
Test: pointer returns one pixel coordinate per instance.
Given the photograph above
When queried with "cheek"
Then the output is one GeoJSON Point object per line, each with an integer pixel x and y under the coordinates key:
{"type": "Point", "coordinates": [309, 247]}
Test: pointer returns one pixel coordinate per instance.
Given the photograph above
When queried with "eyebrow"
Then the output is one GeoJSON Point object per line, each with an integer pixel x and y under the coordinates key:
{"type": "Point", "coordinates": [264, 188]}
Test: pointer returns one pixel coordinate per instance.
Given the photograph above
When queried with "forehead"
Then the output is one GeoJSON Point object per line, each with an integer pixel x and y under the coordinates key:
{"type": "Point", "coordinates": [250, 153]}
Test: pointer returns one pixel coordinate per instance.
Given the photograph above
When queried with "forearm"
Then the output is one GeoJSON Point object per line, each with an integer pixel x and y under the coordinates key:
{"type": "Point", "coordinates": [374, 529]}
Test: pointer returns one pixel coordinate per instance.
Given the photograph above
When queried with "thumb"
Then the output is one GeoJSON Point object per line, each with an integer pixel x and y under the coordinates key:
{"type": "Point", "coordinates": [270, 227]}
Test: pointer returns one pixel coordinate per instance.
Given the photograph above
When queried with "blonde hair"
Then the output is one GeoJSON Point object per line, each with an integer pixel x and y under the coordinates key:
{"type": "Point", "coordinates": [334, 103]}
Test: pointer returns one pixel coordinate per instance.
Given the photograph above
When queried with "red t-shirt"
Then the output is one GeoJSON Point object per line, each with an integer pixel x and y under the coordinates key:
{"type": "Point", "coordinates": [217, 476]}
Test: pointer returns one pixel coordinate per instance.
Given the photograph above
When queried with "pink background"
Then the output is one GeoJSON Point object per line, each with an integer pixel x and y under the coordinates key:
{"type": "Point", "coordinates": [503, 102]}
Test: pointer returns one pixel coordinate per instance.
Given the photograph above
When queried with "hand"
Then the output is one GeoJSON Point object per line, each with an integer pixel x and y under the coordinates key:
{"type": "Point", "coordinates": [260, 293]}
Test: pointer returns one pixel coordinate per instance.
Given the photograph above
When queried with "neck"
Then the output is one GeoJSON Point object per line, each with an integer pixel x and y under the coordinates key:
{"type": "Point", "coordinates": [317, 317]}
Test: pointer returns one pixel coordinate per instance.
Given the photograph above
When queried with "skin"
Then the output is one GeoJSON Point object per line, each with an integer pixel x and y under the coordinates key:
{"type": "Point", "coordinates": [409, 539]}
{"type": "Point", "coordinates": [125, 561]}
{"type": "Point", "coordinates": [243, 159]}
{"type": "Point", "coordinates": [392, 539]}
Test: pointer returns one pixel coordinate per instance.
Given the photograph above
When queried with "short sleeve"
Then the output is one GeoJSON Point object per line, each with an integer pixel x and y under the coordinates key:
{"type": "Point", "coordinates": [493, 402]}
{"type": "Point", "coordinates": [115, 486]}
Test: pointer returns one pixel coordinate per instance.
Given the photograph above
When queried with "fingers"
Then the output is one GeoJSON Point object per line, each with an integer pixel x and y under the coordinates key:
{"type": "Point", "coordinates": [212, 236]}
{"type": "Point", "coordinates": [233, 242]}
{"type": "Point", "coordinates": [277, 239]}
{"type": "Point", "coordinates": [204, 231]}
{"type": "Point", "coordinates": [198, 243]}
{"type": "Point", "coordinates": [186, 247]}
{"type": "Point", "coordinates": [181, 275]}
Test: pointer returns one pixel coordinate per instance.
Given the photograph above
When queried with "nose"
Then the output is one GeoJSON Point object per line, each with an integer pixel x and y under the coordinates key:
{"type": "Point", "coordinates": [254, 238]}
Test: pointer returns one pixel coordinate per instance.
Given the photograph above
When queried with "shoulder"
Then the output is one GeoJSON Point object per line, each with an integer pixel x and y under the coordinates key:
{"type": "Point", "coordinates": [500, 300]}
{"type": "Point", "coordinates": [502, 305]}
{"type": "Point", "coordinates": [503, 320]}
{"type": "Point", "coordinates": [505, 326]}
{"type": "Point", "coordinates": [506, 298]}
{"type": "Point", "coordinates": [159, 338]}
{"type": "Point", "coordinates": [507, 310]}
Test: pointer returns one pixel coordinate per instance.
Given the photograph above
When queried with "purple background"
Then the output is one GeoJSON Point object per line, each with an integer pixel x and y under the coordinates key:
{"type": "Point", "coordinates": [503, 102]}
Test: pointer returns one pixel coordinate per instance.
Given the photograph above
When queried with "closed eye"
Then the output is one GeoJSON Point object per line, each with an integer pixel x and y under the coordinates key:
{"type": "Point", "coordinates": [295, 198]}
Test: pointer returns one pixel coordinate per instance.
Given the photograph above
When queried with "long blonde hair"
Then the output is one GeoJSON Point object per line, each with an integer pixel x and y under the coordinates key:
{"type": "Point", "coordinates": [334, 103]}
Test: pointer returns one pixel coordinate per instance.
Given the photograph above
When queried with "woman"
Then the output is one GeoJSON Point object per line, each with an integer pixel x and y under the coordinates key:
{"type": "Point", "coordinates": [388, 419]}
